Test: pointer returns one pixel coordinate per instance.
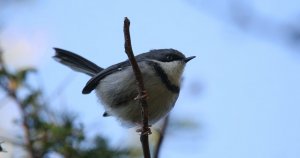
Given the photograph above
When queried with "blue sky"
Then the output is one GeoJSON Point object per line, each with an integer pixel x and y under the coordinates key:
{"type": "Point", "coordinates": [242, 91]}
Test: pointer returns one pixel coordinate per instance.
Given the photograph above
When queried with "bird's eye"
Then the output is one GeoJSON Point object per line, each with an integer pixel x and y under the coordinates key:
{"type": "Point", "coordinates": [169, 58]}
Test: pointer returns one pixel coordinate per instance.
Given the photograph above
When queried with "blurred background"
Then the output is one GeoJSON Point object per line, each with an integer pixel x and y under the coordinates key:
{"type": "Point", "coordinates": [240, 97]}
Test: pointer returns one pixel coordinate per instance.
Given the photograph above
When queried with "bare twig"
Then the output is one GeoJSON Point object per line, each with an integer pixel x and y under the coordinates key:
{"type": "Point", "coordinates": [161, 137]}
{"type": "Point", "coordinates": [13, 95]}
{"type": "Point", "coordinates": [145, 131]}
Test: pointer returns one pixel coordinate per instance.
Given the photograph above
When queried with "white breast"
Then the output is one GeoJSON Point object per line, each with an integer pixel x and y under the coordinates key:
{"type": "Point", "coordinates": [160, 99]}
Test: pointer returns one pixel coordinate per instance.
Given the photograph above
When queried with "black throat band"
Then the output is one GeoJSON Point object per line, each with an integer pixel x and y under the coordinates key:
{"type": "Point", "coordinates": [164, 78]}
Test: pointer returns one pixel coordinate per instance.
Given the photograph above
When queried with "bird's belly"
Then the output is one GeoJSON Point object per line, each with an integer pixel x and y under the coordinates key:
{"type": "Point", "coordinates": [112, 94]}
{"type": "Point", "coordinates": [159, 101]}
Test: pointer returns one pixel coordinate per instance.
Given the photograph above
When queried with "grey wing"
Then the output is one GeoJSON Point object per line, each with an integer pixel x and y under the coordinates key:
{"type": "Point", "coordinates": [94, 81]}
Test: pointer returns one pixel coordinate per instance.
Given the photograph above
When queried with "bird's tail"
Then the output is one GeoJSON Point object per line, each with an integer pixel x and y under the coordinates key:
{"type": "Point", "coordinates": [76, 62]}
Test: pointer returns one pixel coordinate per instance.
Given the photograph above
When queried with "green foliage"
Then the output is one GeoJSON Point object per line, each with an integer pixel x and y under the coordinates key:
{"type": "Point", "coordinates": [47, 132]}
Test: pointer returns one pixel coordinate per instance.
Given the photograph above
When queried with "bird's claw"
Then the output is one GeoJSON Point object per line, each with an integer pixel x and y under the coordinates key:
{"type": "Point", "coordinates": [144, 130]}
{"type": "Point", "coordinates": [143, 96]}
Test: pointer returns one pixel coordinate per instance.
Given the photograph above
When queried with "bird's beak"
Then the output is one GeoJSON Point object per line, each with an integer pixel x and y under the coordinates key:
{"type": "Point", "coordinates": [189, 58]}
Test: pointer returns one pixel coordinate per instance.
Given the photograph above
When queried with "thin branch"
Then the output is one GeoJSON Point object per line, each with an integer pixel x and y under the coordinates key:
{"type": "Point", "coordinates": [12, 93]}
{"type": "Point", "coordinates": [161, 137]}
{"type": "Point", "coordinates": [145, 131]}
{"type": "Point", "coordinates": [29, 143]}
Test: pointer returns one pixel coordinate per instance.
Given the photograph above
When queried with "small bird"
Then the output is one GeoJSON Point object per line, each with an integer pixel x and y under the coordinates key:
{"type": "Point", "coordinates": [116, 86]}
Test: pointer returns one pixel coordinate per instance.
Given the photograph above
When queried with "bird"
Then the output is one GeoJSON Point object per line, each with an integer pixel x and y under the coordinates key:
{"type": "Point", "coordinates": [116, 88]}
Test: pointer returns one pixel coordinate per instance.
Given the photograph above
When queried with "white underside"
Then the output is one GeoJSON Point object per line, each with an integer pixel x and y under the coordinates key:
{"type": "Point", "coordinates": [160, 99]}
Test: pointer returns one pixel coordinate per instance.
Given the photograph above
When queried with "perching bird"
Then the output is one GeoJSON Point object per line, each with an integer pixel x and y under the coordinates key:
{"type": "Point", "coordinates": [116, 86]}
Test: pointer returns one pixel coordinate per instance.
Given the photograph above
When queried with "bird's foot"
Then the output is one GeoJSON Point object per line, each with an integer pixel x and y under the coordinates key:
{"type": "Point", "coordinates": [143, 96]}
{"type": "Point", "coordinates": [144, 130]}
